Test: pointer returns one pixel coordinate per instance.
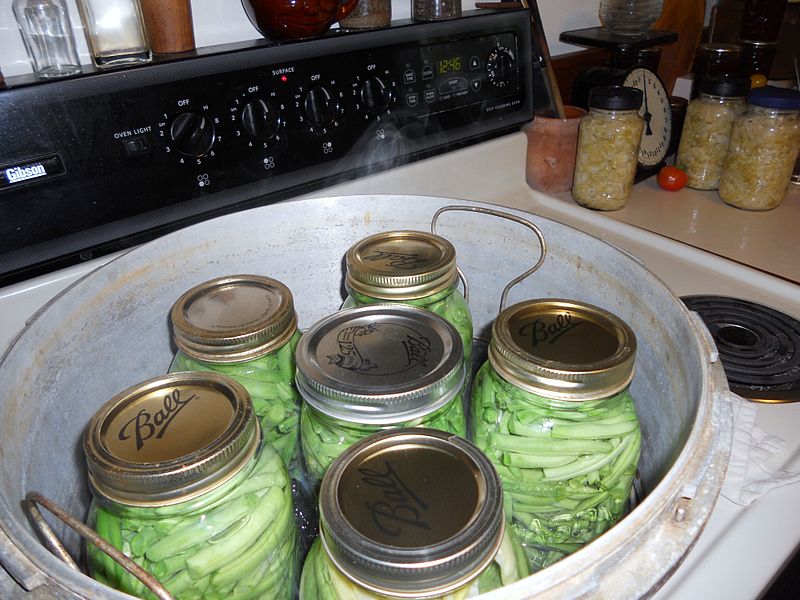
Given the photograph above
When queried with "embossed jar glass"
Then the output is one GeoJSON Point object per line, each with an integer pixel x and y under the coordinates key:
{"type": "Point", "coordinates": [183, 485]}
{"type": "Point", "coordinates": [552, 410]}
{"type": "Point", "coordinates": [363, 370]}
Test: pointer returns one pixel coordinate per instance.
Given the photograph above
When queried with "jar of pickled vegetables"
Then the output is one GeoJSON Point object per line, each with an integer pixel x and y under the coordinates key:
{"type": "Point", "coordinates": [410, 267]}
{"type": "Point", "coordinates": [184, 486]}
{"type": "Point", "coordinates": [763, 149]}
{"type": "Point", "coordinates": [707, 129]}
{"type": "Point", "coordinates": [245, 326]}
{"type": "Point", "coordinates": [608, 148]}
{"type": "Point", "coordinates": [365, 369]}
{"type": "Point", "coordinates": [411, 513]}
{"type": "Point", "coordinates": [552, 410]}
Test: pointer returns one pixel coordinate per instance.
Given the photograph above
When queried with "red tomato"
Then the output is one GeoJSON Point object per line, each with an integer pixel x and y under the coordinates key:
{"type": "Point", "coordinates": [672, 178]}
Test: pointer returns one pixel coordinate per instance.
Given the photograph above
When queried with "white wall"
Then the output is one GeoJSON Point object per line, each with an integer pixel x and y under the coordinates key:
{"type": "Point", "coordinates": [221, 21]}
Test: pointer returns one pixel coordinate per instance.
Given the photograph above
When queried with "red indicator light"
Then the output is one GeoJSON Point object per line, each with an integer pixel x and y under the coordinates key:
{"type": "Point", "coordinates": [284, 78]}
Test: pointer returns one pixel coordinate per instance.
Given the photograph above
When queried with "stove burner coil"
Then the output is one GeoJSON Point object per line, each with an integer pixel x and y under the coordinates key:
{"type": "Point", "coordinates": [759, 346]}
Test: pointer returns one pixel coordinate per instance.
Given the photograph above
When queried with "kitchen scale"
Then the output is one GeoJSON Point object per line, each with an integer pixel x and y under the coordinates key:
{"type": "Point", "coordinates": [630, 65]}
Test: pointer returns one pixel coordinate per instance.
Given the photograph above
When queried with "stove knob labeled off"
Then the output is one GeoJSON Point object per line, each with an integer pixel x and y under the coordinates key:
{"type": "Point", "coordinates": [320, 106]}
{"type": "Point", "coordinates": [261, 119]}
{"type": "Point", "coordinates": [375, 96]}
{"type": "Point", "coordinates": [192, 133]}
{"type": "Point", "coordinates": [501, 67]}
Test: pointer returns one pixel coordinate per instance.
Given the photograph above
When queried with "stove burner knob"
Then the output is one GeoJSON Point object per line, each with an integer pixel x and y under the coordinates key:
{"type": "Point", "coordinates": [320, 106]}
{"type": "Point", "coordinates": [500, 67]}
{"type": "Point", "coordinates": [375, 95]}
{"type": "Point", "coordinates": [192, 133]}
{"type": "Point", "coordinates": [260, 119]}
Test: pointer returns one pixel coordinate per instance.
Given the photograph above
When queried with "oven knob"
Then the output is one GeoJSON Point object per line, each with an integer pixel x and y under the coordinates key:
{"type": "Point", "coordinates": [320, 106]}
{"type": "Point", "coordinates": [501, 67]}
{"type": "Point", "coordinates": [192, 133]}
{"type": "Point", "coordinates": [260, 119]}
{"type": "Point", "coordinates": [375, 95]}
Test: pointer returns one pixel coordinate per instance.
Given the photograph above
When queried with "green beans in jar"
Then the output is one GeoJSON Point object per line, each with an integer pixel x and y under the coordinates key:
{"type": "Point", "coordinates": [195, 498]}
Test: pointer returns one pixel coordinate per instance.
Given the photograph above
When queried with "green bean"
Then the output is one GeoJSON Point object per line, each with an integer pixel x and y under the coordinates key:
{"type": "Point", "coordinates": [516, 443]}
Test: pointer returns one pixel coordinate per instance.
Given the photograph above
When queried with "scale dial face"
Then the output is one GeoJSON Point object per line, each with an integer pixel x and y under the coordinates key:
{"type": "Point", "coordinates": [656, 113]}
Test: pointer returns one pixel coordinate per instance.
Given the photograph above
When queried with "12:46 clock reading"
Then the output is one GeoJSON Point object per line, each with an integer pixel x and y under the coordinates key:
{"type": "Point", "coordinates": [448, 65]}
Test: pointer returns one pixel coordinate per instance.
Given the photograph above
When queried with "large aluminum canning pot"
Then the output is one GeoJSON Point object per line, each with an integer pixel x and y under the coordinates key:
{"type": "Point", "coordinates": [110, 331]}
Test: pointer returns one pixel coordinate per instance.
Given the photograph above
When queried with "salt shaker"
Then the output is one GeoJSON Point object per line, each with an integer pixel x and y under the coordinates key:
{"type": "Point", "coordinates": [435, 10]}
{"type": "Point", "coordinates": [47, 33]}
{"type": "Point", "coordinates": [115, 32]}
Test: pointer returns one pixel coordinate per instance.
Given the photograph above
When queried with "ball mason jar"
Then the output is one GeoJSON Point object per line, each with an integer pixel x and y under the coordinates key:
{"type": "Point", "coordinates": [363, 370]}
{"type": "Point", "coordinates": [763, 150]}
{"type": "Point", "coordinates": [184, 486]}
{"type": "Point", "coordinates": [707, 130]}
{"type": "Point", "coordinates": [608, 148]}
{"type": "Point", "coordinates": [409, 267]}
{"type": "Point", "coordinates": [411, 513]}
{"type": "Point", "coordinates": [552, 410]}
{"type": "Point", "coordinates": [245, 326]}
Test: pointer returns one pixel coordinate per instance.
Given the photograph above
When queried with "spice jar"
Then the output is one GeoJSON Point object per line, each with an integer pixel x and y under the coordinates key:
{"type": "Point", "coordinates": [707, 130]}
{"type": "Point", "coordinates": [412, 513]}
{"type": "Point", "coordinates": [115, 32]}
{"type": "Point", "coordinates": [47, 33]}
{"type": "Point", "coordinates": [410, 267]}
{"type": "Point", "coordinates": [763, 149]}
{"type": "Point", "coordinates": [182, 484]}
{"type": "Point", "coordinates": [608, 148]}
{"type": "Point", "coordinates": [552, 410]}
{"type": "Point", "coordinates": [245, 327]}
{"type": "Point", "coordinates": [362, 370]}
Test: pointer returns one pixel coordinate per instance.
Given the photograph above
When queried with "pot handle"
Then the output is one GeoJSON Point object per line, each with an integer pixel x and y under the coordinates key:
{"type": "Point", "coordinates": [502, 215]}
{"type": "Point", "coordinates": [345, 8]}
{"type": "Point", "coordinates": [32, 499]}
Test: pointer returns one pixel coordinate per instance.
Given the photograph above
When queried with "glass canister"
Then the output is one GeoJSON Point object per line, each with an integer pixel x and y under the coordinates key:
{"type": "Point", "coordinates": [552, 410]}
{"type": "Point", "coordinates": [608, 148]}
{"type": "Point", "coordinates": [363, 370]}
{"type": "Point", "coordinates": [707, 129]}
{"type": "Point", "coordinates": [245, 326]}
{"type": "Point", "coordinates": [412, 513]}
{"type": "Point", "coordinates": [410, 267]}
{"type": "Point", "coordinates": [630, 17]}
{"type": "Point", "coordinates": [47, 33]}
{"type": "Point", "coordinates": [715, 60]}
{"type": "Point", "coordinates": [183, 485]}
{"type": "Point", "coordinates": [115, 32]}
{"type": "Point", "coordinates": [763, 149]}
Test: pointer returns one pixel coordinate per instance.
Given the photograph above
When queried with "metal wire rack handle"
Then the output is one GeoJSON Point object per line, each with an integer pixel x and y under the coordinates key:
{"type": "Point", "coordinates": [32, 499]}
{"type": "Point", "coordinates": [502, 215]}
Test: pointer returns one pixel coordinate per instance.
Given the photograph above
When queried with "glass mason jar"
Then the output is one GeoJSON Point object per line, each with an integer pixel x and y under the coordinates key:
{"type": "Point", "coordinates": [183, 485]}
{"type": "Point", "coordinates": [608, 148]}
{"type": "Point", "coordinates": [411, 513]}
{"type": "Point", "coordinates": [363, 370]}
{"type": "Point", "coordinates": [409, 267]}
{"type": "Point", "coordinates": [763, 149]}
{"type": "Point", "coordinates": [115, 32]}
{"type": "Point", "coordinates": [552, 410]}
{"type": "Point", "coordinates": [245, 326]}
{"type": "Point", "coordinates": [707, 130]}
{"type": "Point", "coordinates": [630, 17]}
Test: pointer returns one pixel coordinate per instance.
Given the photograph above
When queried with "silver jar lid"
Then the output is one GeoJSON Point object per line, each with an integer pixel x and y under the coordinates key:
{"type": "Point", "coordinates": [400, 265]}
{"type": "Point", "coordinates": [380, 364]}
{"type": "Point", "coordinates": [563, 349]}
{"type": "Point", "coordinates": [449, 500]}
{"type": "Point", "coordinates": [233, 318]}
{"type": "Point", "coordinates": [170, 439]}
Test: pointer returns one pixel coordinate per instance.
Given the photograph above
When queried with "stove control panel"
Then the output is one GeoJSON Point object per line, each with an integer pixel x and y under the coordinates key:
{"type": "Point", "coordinates": [111, 158]}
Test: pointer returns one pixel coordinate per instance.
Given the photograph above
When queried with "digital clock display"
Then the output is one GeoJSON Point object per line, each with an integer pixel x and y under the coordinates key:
{"type": "Point", "coordinates": [448, 65]}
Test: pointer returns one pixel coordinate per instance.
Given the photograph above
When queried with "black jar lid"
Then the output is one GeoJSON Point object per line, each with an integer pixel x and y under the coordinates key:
{"type": "Point", "coordinates": [726, 86]}
{"type": "Point", "coordinates": [615, 97]}
{"type": "Point", "coordinates": [775, 97]}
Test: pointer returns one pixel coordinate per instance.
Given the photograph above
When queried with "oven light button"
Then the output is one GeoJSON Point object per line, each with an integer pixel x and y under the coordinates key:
{"type": "Point", "coordinates": [136, 147]}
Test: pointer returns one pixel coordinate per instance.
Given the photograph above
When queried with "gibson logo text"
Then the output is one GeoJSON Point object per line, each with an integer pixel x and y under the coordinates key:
{"type": "Point", "coordinates": [147, 424]}
{"type": "Point", "coordinates": [16, 174]}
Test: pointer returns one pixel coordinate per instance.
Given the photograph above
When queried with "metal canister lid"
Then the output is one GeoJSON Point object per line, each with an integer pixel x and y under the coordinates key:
{"type": "Point", "coordinates": [400, 265]}
{"type": "Point", "coordinates": [380, 364]}
{"type": "Point", "coordinates": [411, 512]}
{"type": "Point", "coordinates": [563, 349]}
{"type": "Point", "coordinates": [170, 439]}
{"type": "Point", "coordinates": [233, 318]}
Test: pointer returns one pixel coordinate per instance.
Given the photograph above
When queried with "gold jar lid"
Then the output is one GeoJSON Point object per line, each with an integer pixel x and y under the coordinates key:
{"type": "Point", "coordinates": [170, 439]}
{"type": "Point", "coordinates": [563, 349]}
{"type": "Point", "coordinates": [233, 318]}
{"type": "Point", "coordinates": [411, 513]}
{"type": "Point", "coordinates": [400, 265]}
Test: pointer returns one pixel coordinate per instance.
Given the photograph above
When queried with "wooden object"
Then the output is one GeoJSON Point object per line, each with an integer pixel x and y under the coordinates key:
{"type": "Point", "coordinates": [687, 18]}
{"type": "Point", "coordinates": [169, 25]}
